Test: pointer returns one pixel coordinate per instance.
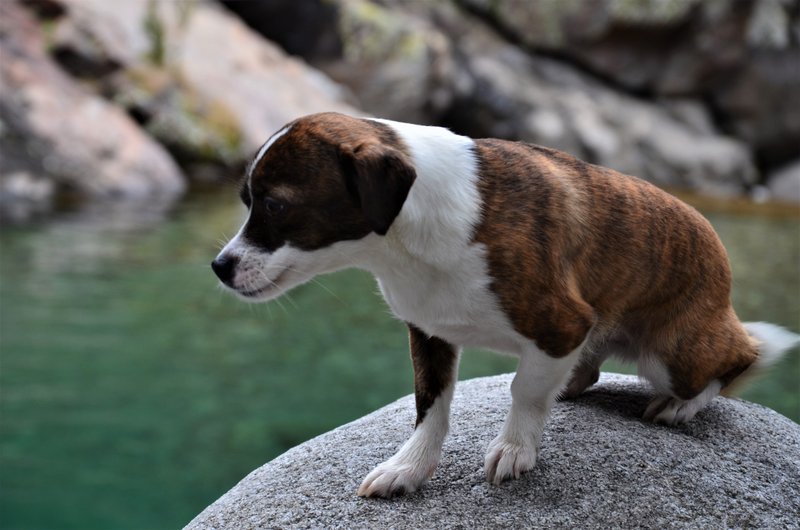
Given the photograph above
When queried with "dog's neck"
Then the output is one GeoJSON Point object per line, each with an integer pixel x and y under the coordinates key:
{"type": "Point", "coordinates": [442, 210]}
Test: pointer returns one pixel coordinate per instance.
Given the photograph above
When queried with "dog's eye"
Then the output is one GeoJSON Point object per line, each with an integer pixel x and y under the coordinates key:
{"type": "Point", "coordinates": [273, 206]}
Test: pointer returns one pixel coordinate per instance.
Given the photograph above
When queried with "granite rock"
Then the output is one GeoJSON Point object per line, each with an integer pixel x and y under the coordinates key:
{"type": "Point", "coordinates": [736, 465]}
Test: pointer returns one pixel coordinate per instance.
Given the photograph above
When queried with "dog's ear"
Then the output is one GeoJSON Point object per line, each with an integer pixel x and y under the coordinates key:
{"type": "Point", "coordinates": [379, 178]}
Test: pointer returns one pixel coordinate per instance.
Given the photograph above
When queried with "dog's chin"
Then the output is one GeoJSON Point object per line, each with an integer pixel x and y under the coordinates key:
{"type": "Point", "coordinates": [270, 291]}
{"type": "Point", "coordinates": [264, 294]}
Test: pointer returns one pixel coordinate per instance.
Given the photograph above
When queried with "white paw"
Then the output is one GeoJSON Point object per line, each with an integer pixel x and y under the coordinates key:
{"type": "Point", "coordinates": [674, 411]}
{"type": "Point", "coordinates": [670, 411]}
{"type": "Point", "coordinates": [395, 477]}
{"type": "Point", "coordinates": [505, 460]}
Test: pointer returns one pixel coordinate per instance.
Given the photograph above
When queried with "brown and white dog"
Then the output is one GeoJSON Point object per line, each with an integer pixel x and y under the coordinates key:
{"type": "Point", "coordinates": [507, 246]}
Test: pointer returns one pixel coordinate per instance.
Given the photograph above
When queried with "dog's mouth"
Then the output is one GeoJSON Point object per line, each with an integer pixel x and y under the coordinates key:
{"type": "Point", "coordinates": [272, 287]}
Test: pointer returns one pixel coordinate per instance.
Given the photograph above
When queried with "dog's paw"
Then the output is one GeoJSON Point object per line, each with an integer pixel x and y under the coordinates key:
{"type": "Point", "coordinates": [670, 410]}
{"type": "Point", "coordinates": [505, 460]}
{"type": "Point", "coordinates": [395, 477]}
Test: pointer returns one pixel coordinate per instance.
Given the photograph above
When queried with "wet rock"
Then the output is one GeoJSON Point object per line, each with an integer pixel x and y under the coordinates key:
{"type": "Point", "coordinates": [51, 128]}
{"type": "Point", "coordinates": [735, 465]}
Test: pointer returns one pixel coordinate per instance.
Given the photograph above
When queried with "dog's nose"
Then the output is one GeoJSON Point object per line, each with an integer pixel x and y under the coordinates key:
{"type": "Point", "coordinates": [223, 267]}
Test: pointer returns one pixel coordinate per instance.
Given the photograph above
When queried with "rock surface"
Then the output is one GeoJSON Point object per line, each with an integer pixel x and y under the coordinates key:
{"type": "Point", "coordinates": [736, 465]}
{"type": "Point", "coordinates": [740, 55]}
{"type": "Point", "coordinates": [200, 80]}
{"type": "Point", "coordinates": [434, 62]}
{"type": "Point", "coordinates": [784, 184]}
{"type": "Point", "coordinates": [56, 133]}
{"type": "Point", "coordinates": [102, 98]}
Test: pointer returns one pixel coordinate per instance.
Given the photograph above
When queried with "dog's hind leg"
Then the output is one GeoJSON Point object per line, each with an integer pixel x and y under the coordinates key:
{"type": "Point", "coordinates": [597, 350]}
{"type": "Point", "coordinates": [585, 374]}
{"type": "Point", "coordinates": [702, 362]}
{"type": "Point", "coordinates": [435, 373]}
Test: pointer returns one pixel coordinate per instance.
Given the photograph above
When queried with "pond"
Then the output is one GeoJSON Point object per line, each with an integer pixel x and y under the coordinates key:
{"type": "Point", "coordinates": [135, 392]}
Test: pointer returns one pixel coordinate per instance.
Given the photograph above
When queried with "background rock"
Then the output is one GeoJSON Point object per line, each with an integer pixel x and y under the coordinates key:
{"type": "Point", "coordinates": [546, 102]}
{"type": "Point", "coordinates": [736, 465]}
{"type": "Point", "coordinates": [432, 62]}
{"type": "Point", "coordinates": [741, 56]}
{"type": "Point", "coordinates": [784, 185]}
{"type": "Point", "coordinates": [690, 94]}
{"type": "Point", "coordinates": [94, 91]}
{"type": "Point", "coordinates": [196, 77]}
{"type": "Point", "coordinates": [52, 128]}
{"type": "Point", "coordinates": [398, 64]}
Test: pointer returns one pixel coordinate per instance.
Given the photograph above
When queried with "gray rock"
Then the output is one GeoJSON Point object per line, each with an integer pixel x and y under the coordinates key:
{"type": "Point", "coordinates": [24, 196]}
{"type": "Point", "coordinates": [740, 55]}
{"type": "Point", "coordinates": [202, 82]}
{"type": "Point", "coordinates": [52, 128]}
{"type": "Point", "coordinates": [394, 58]}
{"type": "Point", "coordinates": [736, 465]}
{"type": "Point", "coordinates": [518, 96]}
{"type": "Point", "coordinates": [784, 184]}
{"type": "Point", "coordinates": [430, 62]}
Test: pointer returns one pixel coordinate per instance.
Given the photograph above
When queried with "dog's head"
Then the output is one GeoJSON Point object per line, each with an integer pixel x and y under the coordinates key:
{"type": "Point", "coordinates": [318, 183]}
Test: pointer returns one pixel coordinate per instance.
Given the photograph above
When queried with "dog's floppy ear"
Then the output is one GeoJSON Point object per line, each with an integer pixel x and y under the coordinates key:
{"type": "Point", "coordinates": [379, 177]}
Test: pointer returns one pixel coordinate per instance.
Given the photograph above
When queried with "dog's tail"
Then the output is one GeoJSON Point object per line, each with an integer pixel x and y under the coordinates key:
{"type": "Point", "coordinates": [772, 342]}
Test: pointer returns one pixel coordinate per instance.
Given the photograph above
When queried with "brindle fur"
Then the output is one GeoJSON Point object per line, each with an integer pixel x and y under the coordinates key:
{"type": "Point", "coordinates": [573, 247]}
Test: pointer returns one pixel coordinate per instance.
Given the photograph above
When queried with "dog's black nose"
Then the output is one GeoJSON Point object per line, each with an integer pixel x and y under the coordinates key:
{"type": "Point", "coordinates": [223, 267]}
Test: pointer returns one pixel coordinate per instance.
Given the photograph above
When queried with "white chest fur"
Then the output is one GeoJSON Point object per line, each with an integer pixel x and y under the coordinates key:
{"type": "Point", "coordinates": [454, 304]}
{"type": "Point", "coordinates": [429, 271]}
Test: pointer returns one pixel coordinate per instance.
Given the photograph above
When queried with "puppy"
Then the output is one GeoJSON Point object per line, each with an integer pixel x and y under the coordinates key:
{"type": "Point", "coordinates": [507, 246]}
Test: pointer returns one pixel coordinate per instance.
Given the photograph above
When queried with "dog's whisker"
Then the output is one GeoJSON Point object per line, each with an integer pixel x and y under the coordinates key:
{"type": "Point", "coordinates": [326, 289]}
{"type": "Point", "coordinates": [272, 283]}
{"type": "Point", "coordinates": [291, 301]}
{"type": "Point", "coordinates": [278, 301]}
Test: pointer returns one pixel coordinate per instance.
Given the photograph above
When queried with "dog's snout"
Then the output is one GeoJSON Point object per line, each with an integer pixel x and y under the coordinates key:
{"type": "Point", "coordinates": [224, 266]}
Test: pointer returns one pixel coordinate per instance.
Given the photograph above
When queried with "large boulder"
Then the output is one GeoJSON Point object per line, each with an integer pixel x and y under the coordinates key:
{"type": "Point", "coordinates": [398, 64]}
{"type": "Point", "coordinates": [742, 56]}
{"type": "Point", "coordinates": [736, 465]}
{"type": "Point", "coordinates": [199, 79]}
{"type": "Point", "coordinates": [432, 62]}
{"type": "Point", "coordinates": [541, 100]}
{"type": "Point", "coordinates": [55, 134]}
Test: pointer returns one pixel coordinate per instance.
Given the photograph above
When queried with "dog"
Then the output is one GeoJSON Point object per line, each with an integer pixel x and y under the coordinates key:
{"type": "Point", "coordinates": [507, 246]}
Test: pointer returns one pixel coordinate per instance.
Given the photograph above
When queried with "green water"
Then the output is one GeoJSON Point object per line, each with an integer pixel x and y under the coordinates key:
{"type": "Point", "coordinates": [134, 392]}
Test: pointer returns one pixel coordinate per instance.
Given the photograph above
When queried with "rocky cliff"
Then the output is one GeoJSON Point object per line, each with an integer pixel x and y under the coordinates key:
{"type": "Point", "coordinates": [136, 97]}
{"type": "Point", "coordinates": [736, 465]}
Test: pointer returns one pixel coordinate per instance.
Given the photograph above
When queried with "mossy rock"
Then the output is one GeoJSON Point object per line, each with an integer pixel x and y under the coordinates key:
{"type": "Point", "coordinates": [193, 128]}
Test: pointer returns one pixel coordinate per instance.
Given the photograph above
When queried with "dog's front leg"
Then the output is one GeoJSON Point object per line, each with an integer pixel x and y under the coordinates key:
{"type": "Point", "coordinates": [435, 370]}
{"type": "Point", "coordinates": [538, 379]}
